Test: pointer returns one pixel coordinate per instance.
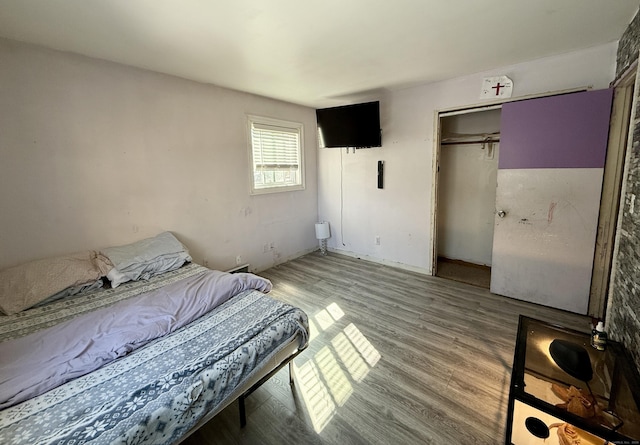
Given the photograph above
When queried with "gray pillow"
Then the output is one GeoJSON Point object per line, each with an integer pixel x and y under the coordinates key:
{"type": "Point", "coordinates": [145, 258]}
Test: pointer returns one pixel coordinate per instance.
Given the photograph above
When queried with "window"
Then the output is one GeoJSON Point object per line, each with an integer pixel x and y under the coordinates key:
{"type": "Point", "coordinates": [275, 149]}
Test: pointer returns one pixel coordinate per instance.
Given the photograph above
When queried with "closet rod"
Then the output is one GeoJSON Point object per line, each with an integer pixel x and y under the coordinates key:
{"type": "Point", "coordinates": [477, 141]}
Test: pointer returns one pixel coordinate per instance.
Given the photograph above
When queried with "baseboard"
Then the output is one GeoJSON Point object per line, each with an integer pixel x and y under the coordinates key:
{"type": "Point", "coordinates": [284, 259]}
{"type": "Point", "coordinates": [389, 263]}
{"type": "Point", "coordinates": [238, 269]}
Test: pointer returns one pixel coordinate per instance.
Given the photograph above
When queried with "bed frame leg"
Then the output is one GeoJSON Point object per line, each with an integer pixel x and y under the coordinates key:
{"type": "Point", "coordinates": [291, 373]}
{"type": "Point", "coordinates": [243, 415]}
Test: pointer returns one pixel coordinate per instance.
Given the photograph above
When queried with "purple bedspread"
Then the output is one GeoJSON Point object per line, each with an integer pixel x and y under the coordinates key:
{"type": "Point", "coordinates": [36, 363]}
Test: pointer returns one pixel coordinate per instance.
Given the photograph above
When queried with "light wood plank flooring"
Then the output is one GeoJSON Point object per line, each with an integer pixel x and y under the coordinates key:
{"type": "Point", "coordinates": [395, 358]}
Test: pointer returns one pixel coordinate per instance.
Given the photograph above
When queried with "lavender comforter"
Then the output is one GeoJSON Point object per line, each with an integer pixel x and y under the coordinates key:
{"type": "Point", "coordinates": [36, 363]}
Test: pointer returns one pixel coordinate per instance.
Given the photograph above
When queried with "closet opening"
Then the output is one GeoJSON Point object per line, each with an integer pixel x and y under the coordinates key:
{"type": "Point", "coordinates": [464, 208]}
{"type": "Point", "coordinates": [466, 194]}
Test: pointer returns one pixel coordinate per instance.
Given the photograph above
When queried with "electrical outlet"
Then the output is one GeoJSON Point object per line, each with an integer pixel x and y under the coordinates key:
{"type": "Point", "coordinates": [265, 248]}
{"type": "Point", "coordinates": [272, 245]}
{"type": "Point", "coordinates": [377, 240]}
{"type": "Point", "coordinates": [238, 260]}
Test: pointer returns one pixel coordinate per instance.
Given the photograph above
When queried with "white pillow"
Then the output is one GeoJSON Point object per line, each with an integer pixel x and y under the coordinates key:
{"type": "Point", "coordinates": [117, 278]}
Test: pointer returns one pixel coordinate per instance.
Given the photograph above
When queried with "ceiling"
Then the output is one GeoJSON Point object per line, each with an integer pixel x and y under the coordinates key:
{"type": "Point", "coordinates": [316, 52]}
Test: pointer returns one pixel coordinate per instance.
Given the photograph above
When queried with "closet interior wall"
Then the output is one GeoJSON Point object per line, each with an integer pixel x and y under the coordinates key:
{"type": "Point", "coordinates": [466, 187]}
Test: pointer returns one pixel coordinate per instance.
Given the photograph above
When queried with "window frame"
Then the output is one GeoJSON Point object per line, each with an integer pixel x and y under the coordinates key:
{"type": "Point", "coordinates": [289, 126]}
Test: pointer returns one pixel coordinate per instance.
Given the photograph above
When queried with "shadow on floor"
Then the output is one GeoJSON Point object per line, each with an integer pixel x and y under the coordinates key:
{"type": "Point", "coordinates": [464, 272]}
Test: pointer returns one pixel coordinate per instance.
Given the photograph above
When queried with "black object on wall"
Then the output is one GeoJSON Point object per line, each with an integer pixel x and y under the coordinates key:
{"type": "Point", "coordinates": [350, 125]}
{"type": "Point", "coordinates": [380, 174]}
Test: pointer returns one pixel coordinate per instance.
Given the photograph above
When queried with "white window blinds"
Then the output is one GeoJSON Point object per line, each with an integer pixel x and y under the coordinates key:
{"type": "Point", "coordinates": [276, 155]}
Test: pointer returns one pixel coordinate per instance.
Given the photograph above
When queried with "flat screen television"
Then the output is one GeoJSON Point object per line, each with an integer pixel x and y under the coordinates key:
{"type": "Point", "coordinates": [350, 125]}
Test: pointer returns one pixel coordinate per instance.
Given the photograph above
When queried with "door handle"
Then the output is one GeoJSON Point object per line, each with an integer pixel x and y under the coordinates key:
{"type": "Point", "coordinates": [501, 213]}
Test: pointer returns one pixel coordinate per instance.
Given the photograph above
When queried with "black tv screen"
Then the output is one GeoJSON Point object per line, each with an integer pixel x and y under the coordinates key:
{"type": "Point", "coordinates": [350, 125]}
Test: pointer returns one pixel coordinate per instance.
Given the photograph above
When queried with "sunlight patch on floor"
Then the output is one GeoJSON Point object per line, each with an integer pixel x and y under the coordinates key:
{"type": "Point", "coordinates": [324, 319]}
{"type": "Point", "coordinates": [315, 394]}
{"type": "Point", "coordinates": [350, 357]}
{"type": "Point", "coordinates": [335, 311]}
{"type": "Point", "coordinates": [336, 379]}
{"type": "Point", "coordinates": [364, 346]}
{"type": "Point", "coordinates": [326, 380]}
{"type": "Point", "coordinates": [313, 330]}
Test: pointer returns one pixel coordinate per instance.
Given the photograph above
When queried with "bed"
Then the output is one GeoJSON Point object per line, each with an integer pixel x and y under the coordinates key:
{"type": "Point", "coordinates": [149, 389]}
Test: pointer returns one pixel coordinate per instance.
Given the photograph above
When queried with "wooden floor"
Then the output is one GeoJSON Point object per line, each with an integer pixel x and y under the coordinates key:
{"type": "Point", "coordinates": [464, 272]}
{"type": "Point", "coordinates": [395, 358]}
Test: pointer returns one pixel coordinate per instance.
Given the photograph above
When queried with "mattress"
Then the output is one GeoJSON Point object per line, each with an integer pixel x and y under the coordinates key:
{"type": "Point", "coordinates": [159, 392]}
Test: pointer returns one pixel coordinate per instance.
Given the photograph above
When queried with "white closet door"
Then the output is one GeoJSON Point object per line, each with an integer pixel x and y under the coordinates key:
{"type": "Point", "coordinates": [550, 169]}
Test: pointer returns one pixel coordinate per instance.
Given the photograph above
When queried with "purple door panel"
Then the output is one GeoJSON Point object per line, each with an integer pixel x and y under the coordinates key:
{"type": "Point", "coordinates": [566, 131]}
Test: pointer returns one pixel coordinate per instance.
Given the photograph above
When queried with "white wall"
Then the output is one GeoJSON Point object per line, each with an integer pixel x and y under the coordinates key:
{"type": "Point", "coordinates": [401, 213]}
{"type": "Point", "coordinates": [94, 154]}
